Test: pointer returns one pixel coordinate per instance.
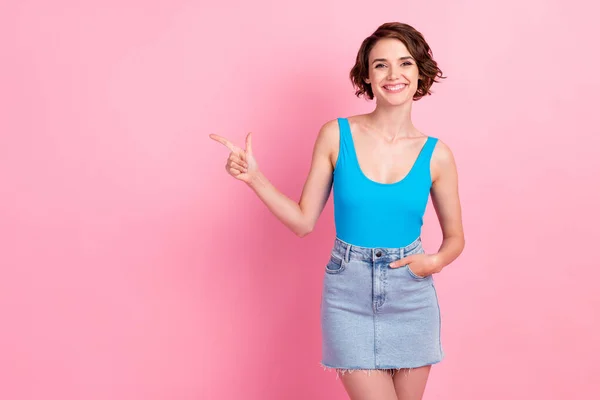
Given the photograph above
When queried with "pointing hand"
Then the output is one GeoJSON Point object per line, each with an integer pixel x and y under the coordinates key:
{"type": "Point", "coordinates": [240, 163]}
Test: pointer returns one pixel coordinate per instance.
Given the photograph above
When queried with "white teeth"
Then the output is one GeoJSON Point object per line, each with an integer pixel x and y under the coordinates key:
{"type": "Point", "coordinates": [396, 87]}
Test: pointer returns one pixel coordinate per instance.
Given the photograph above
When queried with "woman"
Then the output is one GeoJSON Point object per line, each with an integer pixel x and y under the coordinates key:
{"type": "Point", "coordinates": [379, 309]}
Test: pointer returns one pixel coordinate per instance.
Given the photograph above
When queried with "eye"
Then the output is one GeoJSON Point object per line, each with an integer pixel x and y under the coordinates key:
{"type": "Point", "coordinates": [379, 65]}
{"type": "Point", "coordinates": [407, 63]}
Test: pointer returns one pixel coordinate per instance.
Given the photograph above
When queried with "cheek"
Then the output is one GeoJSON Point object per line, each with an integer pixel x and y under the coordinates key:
{"type": "Point", "coordinates": [378, 76]}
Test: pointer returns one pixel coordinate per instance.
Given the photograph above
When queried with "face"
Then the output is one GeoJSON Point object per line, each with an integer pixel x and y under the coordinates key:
{"type": "Point", "coordinates": [393, 73]}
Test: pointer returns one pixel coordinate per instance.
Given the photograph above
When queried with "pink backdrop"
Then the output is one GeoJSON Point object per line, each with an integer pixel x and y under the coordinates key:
{"type": "Point", "coordinates": [134, 267]}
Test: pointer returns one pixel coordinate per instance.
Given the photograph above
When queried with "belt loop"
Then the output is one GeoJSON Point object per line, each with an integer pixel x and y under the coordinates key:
{"type": "Point", "coordinates": [347, 256]}
{"type": "Point", "coordinates": [402, 253]}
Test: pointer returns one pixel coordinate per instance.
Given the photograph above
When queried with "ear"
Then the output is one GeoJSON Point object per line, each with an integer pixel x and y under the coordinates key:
{"type": "Point", "coordinates": [367, 81]}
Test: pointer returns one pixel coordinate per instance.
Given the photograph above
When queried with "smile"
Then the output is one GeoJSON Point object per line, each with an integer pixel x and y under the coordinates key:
{"type": "Point", "coordinates": [395, 88]}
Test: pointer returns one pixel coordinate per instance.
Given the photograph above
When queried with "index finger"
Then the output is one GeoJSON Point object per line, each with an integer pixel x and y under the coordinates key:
{"type": "Point", "coordinates": [401, 262]}
{"type": "Point", "coordinates": [223, 141]}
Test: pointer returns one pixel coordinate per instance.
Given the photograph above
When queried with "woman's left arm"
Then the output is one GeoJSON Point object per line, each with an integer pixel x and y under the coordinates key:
{"type": "Point", "coordinates": [445, 199]}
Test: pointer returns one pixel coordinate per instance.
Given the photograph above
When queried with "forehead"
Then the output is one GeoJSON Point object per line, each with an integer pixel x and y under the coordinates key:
{"type": "Point", "coordinates": [389, 48]}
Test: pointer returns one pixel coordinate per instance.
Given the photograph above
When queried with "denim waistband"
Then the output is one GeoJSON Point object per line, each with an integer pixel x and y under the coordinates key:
{"type": "Point", "coordinates": [347, 251]}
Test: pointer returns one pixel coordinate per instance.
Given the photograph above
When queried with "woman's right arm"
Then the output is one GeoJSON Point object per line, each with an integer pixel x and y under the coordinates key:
{"type": "Point", "coordinates": [302, 216]}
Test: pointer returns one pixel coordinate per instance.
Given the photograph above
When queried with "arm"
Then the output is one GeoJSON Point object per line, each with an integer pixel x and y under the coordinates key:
{"type": "Point", "coordinates": [445, 199]}
{"type": "Point", "coordinates": [302, 216]}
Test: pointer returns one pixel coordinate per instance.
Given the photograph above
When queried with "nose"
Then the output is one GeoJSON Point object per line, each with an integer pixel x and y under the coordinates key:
{"type": "Point", "coordinates": [393, 74]}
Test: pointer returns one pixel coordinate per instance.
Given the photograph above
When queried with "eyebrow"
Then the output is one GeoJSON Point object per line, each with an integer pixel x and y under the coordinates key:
{"type": "Point", "coordinates": [401, 58]}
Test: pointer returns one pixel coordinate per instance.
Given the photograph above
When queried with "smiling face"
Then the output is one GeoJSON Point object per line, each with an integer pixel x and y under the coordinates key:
{"type": "Point", "coordinates": [393, 72]}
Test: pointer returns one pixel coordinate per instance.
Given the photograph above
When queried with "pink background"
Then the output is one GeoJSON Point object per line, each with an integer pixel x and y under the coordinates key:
{"type": "Point", "coordinates": [134, 267]}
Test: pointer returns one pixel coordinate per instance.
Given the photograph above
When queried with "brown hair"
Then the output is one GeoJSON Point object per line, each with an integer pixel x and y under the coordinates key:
{"type": "Point", "coordinates": [417, 47]}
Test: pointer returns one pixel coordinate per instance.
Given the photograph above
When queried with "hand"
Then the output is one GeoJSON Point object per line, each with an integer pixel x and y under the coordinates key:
{"type": "Point", "coordinates": [421, 265]}
{"type": "Point", "coordinates": [241, 163]}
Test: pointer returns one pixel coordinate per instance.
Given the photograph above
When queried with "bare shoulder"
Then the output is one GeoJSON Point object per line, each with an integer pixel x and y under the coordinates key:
{"type": "Point", "coordinates": [442, 152]}
{"type": "Point", "coordinates": [328, 140]}
{"type": "Point", "coordinates": [442, 160]}
{"type": "Point", "coordinates": [357, 122]}
{"type": "Point", "coordinates": [329, 131]}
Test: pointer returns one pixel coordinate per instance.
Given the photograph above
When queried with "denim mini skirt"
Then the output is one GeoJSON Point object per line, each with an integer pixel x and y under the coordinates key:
{"type": "Point", "coordinates": [377, 317]}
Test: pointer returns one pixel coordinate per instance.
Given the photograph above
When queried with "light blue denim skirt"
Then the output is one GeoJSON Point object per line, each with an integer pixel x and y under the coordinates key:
{"type": "Point", "coordinates": [377, 317]}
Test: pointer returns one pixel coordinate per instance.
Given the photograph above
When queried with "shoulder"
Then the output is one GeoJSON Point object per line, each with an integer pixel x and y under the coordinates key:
{"type": "Point", "coordinates": [330, 128]}
{"type": "Point", "coordinates": [356, 122]}
{"type": "Point", "coordinates": [442, 159]}
{"type": "Point", "coordinates": [329, 134]}
{"type": "Point", "coordinates": [442, 153]}
{"type": "Point", "coordinates": [328, 140]}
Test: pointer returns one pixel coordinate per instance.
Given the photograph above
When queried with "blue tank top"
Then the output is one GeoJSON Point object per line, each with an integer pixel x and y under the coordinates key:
{"type": "Point", "coordinates": [374, 214]}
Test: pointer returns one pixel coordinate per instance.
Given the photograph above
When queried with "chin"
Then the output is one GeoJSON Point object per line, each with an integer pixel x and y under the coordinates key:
{"type": "Point", "coordinates": [393, 102]}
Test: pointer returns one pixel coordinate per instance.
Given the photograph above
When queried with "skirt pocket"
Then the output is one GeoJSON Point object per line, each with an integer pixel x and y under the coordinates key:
{"type": "Point", "coordinates": [413, 275]}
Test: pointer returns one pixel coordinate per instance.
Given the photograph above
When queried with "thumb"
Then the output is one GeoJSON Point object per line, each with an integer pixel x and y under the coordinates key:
{"type": "Point", "coordinates": [249, 143]}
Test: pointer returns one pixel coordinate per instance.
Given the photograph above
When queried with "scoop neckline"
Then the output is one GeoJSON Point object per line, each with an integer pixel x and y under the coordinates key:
{"type": "Point", "coordinates": [383, 183]}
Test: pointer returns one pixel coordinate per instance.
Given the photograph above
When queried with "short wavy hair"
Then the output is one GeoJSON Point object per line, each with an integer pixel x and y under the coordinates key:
{"type": "Point", "coordinates": [417, 47]}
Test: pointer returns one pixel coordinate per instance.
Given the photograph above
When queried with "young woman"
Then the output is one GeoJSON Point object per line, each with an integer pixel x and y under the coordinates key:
{"type": "Point", "coordinates": [379, 308]}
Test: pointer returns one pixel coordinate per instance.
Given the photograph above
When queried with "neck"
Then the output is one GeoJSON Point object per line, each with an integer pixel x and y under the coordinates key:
{"type": "Point", "coordinates": [393, 122]}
